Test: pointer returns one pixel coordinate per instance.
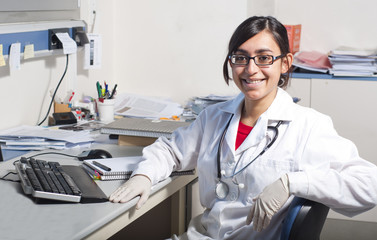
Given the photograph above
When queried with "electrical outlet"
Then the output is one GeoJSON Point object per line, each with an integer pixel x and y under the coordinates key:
{"type": "Point", "coordinates": [53, 41]}
{"type": "Point", "coordinates": [79, 36]}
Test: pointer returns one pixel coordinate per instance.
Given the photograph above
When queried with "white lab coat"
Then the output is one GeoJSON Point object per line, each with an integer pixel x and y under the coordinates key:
{"type": "Point", "coordinates": [321, 165]}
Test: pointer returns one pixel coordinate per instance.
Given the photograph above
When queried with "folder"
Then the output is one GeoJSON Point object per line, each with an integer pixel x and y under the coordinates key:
{"type": "Point", "coordinates": [143, 127]}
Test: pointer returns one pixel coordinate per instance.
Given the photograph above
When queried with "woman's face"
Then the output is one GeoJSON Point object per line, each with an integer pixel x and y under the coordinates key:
{"type": "Point", "coordinates": [259, 83]}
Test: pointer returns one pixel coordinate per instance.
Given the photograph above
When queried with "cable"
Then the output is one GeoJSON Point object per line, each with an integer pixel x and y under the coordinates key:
{"type": "Point", "coordinates": [4, 177]}
{"type": "Point", "coordinates": [56, 89]}
{"type": "Point", "coordinates": [53, 153]}
{"type": "Point", "coordinates": [10, 180]}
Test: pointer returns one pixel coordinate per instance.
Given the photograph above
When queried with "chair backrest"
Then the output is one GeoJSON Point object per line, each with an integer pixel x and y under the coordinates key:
{"type": "Point", "coordinates": [305, 220]}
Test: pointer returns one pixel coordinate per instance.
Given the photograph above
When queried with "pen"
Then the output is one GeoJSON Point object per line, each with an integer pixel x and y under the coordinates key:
{"type": "Point", "coordinates": [70, 99]}
{"type": "Point", "coordinates": [92, 173]}
{"type": "Point", "coordinates": [114, 91]}
{"type": "Point", "coordinates": [106, 168]}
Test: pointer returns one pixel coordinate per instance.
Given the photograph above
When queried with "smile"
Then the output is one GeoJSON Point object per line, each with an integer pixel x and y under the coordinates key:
{"type": "Point", "coordinates": [252, 81]}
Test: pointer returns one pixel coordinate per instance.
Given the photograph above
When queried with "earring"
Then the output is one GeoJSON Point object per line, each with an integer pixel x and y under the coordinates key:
{"type": "Point", "coordinates": [281, 82]}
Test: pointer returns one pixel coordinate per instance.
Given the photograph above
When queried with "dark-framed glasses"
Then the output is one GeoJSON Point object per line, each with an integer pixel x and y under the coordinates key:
{"type": "Point", "coordinates": [259, 60]}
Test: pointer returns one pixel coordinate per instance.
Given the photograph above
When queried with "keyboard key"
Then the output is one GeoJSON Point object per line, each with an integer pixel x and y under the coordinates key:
{"type": "Point", "coordinates": [56, 182]}
{"type": "Point", "coordinates": [33, 180]}
{"type": "Point", "coordinates": [42, 180]}
{"type": "Point", "coordinates": [71, 183]}
{"type": "Point", "coordinates": [50, 181]}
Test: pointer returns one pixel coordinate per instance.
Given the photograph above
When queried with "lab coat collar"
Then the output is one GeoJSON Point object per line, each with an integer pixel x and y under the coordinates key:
{"type": "Point", "coordinates": [280, 109]}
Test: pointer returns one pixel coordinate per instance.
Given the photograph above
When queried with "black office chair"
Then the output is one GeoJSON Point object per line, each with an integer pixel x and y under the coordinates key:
{"type": "Point", "coordinates": [305, 220]}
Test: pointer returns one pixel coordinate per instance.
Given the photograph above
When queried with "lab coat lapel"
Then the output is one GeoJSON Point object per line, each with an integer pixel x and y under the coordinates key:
{"type": "Point", "coordinates": [234, 107]}
{"type": "Point", "coordinates": [279, 110]}
{"type": "Point", "coordinates": [256, 135]}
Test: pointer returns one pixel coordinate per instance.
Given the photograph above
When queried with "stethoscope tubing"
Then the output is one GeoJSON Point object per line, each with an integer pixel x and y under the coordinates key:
{"type": "Point", "coordinates": [219, 175]}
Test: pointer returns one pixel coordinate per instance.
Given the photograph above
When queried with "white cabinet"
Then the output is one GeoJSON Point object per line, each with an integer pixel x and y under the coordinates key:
{"type": "Point", "coordinates": [352, 105]}
{"type": "Point", "coordinates": [300, 88]}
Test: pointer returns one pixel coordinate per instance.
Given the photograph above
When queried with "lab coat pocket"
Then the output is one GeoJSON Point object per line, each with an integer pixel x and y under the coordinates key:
{"type": "Point", "coordinates": [277, 165]}
{"type": "Point", "coordinates": [264, 172]}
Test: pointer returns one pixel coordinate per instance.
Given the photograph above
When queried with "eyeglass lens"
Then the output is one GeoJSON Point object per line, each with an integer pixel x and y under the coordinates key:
{"type": "Point", "coordinates": [258, 60]}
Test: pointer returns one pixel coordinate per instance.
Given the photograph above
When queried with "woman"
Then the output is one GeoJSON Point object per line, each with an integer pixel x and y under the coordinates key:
{"type": "Point", "coordinates": [257, 151]}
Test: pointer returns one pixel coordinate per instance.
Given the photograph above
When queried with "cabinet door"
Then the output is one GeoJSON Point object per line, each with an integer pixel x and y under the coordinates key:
{"type": "Point", "coordinates": [300, 88]}
{"type": "Point", "coordinates": [352, 105]}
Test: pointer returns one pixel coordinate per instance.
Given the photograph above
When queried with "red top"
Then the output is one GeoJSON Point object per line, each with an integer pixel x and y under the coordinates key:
{"type": "Point", "coordinates": [243, 131]}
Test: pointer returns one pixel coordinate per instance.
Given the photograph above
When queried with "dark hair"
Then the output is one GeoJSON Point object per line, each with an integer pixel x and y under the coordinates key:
{"type": "Point", "coordinates": [251, 27]}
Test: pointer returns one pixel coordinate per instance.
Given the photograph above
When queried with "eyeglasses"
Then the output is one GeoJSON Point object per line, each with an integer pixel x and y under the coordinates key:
{"type": "Point", "coordinates": [259, 60]}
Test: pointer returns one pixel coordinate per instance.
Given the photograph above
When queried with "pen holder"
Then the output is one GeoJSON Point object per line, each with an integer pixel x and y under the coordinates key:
{"type": "Point", "coordinates": [106, 110]}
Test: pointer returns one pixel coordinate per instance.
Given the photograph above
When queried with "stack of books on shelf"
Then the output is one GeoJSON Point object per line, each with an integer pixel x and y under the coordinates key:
{"type": "Point", "coordinates": [353, 62]}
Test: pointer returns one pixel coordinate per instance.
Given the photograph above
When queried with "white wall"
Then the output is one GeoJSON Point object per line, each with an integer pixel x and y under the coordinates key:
{"type": "Point", "coordinates": [169, 48]}
{"type": "Point", "coordinates": [173, 48]}
{"type": "Point", "coordinates": [325, 24]}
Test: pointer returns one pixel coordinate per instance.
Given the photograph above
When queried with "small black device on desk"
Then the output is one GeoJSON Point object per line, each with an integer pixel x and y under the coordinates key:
{"type": "Point", "coordinates": [64, 118]}
{"type": "Point", "coordinates": [94, 154]}
{"type": "Point", "coordinates": [52, 181]}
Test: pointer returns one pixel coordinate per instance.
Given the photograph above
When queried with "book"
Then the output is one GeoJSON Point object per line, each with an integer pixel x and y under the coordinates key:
{"type": "Point", "coordinates": [294, 37]}
{"type": "Point", "coordinates": [143, 127]}
{"type": "Point", "coordinates": [121, 168]}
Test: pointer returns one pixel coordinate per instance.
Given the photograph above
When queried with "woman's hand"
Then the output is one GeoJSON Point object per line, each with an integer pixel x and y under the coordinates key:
{"type": "Point", "coordinates": [267, 203]}
{"type": "Point", "coordinates": [138, 185]}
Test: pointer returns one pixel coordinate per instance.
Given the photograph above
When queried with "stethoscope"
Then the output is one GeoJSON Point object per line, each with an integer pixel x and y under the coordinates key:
{"type": "Point", "coordinates": [222, 188]}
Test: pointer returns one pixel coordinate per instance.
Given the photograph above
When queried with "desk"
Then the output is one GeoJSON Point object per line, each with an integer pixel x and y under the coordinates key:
{"type": "Point", "coordinates": [22, 218]}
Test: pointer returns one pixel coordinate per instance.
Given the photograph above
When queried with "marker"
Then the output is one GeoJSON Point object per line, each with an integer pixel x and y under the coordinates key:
{"type": "Point", "coordinates": [99, 89]}
{"type": "Point", "coordinates": [114, 91]}
{"type": "Point", "coordinates": [106, 168]}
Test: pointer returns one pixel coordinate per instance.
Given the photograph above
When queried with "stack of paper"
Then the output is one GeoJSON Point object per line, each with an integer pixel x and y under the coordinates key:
{"type": "Point", "coordinates": [40, 138]}
{"type": "Point", "coordinates": [312, 61]}
{"type": "Point", "coordinates": [199, 103]}
{"type": "Point", "coordinates": [132, 105]}
{"type": "Point", "coordinates": [353, 62]}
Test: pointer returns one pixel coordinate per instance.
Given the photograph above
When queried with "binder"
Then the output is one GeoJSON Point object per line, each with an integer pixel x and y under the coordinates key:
{"type": "Point", "coordinates": [122, 167]}
{"type": "Point", "coordinates": [143, 127]}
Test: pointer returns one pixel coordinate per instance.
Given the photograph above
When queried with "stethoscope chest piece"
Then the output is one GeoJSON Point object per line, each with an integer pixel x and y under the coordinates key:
{"type": "Point", "coordinates": [221, 190]}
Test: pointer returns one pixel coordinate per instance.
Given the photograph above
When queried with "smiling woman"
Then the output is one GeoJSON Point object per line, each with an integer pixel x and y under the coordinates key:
{"type": "Point", "coordinates": [246, 184]}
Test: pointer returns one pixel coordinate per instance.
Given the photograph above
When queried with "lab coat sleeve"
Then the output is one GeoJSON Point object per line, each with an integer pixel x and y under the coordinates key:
{"type": "Point", "coordinates": [331, 172]}
{"type": "Point", "coordinates": [175, 154]}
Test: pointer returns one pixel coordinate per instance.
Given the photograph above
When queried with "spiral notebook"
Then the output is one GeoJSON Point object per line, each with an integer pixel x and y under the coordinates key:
{"type": "Point", "coordinates": [120, 168]}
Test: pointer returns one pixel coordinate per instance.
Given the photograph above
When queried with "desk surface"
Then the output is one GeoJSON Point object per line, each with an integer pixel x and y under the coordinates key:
{"type": "Point", "coordinates": [22, 218]}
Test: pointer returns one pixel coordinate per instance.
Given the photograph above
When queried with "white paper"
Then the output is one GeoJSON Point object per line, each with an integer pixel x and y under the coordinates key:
{"type": "Point", "coordinates": [69, 45]}
{"type": "Point", "coordinates": [93, 52]}
{"type": "Point", "coordinates": [15, 56]}
{"type": "Point", "coordinates": [133, 105]}
{"type": "Point", "coordinates": [30, 132]}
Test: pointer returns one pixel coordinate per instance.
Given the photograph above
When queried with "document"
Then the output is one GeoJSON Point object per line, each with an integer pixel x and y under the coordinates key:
{"type": "Point", "coordinates": [69, 45]}
{"type": "Point", "coordinates": [93, 52]}
{"type": "Point", "coordinates": [312, 61]}
{"type": "Point", "coordinates": [2, 60]}
{"type": "Point", "coordinates": [15, 56]}
{"type": "Point", "coordinates": [39, 138]}
{"type": "Point", "coordinates": [29, 51]}
{"type": "Point", "coordinates": [132, 105]}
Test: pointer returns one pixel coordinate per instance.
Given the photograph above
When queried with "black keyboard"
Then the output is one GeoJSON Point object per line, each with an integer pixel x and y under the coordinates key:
{"type": "Point", "coordinates": [47, 180]}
